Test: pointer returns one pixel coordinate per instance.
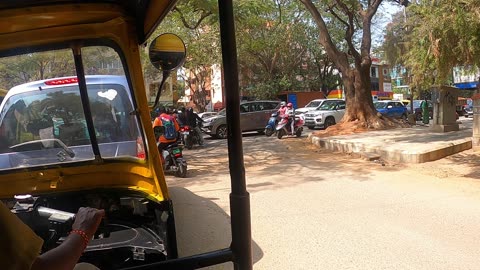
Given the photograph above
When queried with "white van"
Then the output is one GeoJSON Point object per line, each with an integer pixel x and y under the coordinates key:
{"type": "Point", "coordinates": [43, 122]}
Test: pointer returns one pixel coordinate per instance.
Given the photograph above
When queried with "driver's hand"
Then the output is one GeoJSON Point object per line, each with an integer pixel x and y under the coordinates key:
{"type": "Point", "coordinates": [88, 219]}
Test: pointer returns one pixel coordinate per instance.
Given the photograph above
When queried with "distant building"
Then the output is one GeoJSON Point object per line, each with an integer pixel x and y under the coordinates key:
{"type": "Point", "coordinates": [380, 79]}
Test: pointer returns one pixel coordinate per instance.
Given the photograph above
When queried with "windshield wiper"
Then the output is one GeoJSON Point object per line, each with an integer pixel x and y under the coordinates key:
{"type": "Point", "coordinates": [40, 144]}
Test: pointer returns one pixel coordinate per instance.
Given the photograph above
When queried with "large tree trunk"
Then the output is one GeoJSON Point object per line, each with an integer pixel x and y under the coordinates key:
{"type": "Point", "coordinates": [356, 79]}
{"type": "Point", "coordinates": [359, 102]}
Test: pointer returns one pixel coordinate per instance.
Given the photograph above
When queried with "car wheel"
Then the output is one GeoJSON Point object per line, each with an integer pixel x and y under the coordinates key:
{"type": "Point", "coordinates": [404, 116]}
{"type": "Point", "coordinates": [330, 121]}
{"type": "Point", "coordinates": [222, 132]}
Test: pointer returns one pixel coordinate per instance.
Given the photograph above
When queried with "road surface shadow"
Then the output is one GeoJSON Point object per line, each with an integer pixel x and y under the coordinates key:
{"type": "Point", "coordinates": [466, 162]}
{"type": "Point", "coordinates": [203, 226]}
{"type": "Point", "coordinates": [281, 161]}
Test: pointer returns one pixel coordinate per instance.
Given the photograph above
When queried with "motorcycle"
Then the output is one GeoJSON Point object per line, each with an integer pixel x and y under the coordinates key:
{"type": "Point", "coordinates": [173, 161]}
{"type": "Point", "coordinates": [172, 157]}
{"type": "Point", "coordinates": [283, 127]}
{"type": "Point", "coordinates": [190, 137]}
{"type": "Point", "coordinates": [272, 123]}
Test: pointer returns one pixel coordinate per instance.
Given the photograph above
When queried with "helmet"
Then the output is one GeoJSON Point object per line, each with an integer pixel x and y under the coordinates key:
{"type": "Point", "coordinates": [283, 103]}
{"type": "Point", "coordinates": [162, 109]}
{"type": "Point", "coordinates": [289, 105]}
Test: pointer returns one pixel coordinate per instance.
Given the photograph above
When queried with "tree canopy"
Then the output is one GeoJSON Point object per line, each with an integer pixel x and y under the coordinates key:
{"type": "Point", "coordinates": [276, 45]}
{"type": "Point", "coordinates": [444, 34]}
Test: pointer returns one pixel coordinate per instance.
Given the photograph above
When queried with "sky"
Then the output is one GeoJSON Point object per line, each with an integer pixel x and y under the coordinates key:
{"type": "Point", "coordinates": [383, 17]}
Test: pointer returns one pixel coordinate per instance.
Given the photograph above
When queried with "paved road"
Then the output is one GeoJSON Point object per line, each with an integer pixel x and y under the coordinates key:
{"type": "Point", "coordinates": [313, 209]}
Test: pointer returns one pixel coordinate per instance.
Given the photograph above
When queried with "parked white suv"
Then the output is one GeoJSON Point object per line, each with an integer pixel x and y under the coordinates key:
{"type": "Point", "coordinates": [329, 113]}
{"type": "Point", "coordinates": [312, 105]}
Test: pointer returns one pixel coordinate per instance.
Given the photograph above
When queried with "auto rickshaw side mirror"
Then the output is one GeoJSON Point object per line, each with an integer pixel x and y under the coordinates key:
{"type": "Point", "coordinates": [167, 52]}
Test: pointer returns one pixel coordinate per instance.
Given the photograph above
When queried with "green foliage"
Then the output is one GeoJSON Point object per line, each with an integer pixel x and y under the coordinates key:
{"type": "Point", "coordinates": [278, 49]}
{"type": "Point", "coordinates": [25, 68]}
{"type": "Point", "coordinates": [196, 22]}
{"type": "Point", "coordinates": [444, 34]}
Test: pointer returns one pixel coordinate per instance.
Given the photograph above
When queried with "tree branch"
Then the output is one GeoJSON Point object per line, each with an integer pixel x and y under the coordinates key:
{"type": "Point", "coordinates": [325, 38]}
{"type": "Point", "coordinates": [204, 15]}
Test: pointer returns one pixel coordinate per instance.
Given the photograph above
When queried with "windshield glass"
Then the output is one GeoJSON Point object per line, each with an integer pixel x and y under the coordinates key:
{"type": "Point", "coordinates": [417, 103]}
{"type": "Point", "coordinates": [328, 105]}
{"type": "Point", "coordinates": [380, 105]}
{"type": "Point", "coordinates": [313, 104]}
{"type": "Point", "coordinates": [223, 112]}
{"type": "Point", "coordinates": [42, 119]}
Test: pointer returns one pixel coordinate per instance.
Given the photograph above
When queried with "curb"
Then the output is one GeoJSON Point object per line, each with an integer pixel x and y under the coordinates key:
{"type": "Point", "coordinates": [390, 153]}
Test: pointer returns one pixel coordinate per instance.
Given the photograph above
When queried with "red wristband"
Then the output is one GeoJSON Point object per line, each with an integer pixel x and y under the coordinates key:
{"type": "Point", "coordinates": [83, 235]}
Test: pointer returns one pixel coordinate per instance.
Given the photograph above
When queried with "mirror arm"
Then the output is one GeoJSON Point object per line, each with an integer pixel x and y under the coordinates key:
{"type": "Point", "coordinates": [165, 75]}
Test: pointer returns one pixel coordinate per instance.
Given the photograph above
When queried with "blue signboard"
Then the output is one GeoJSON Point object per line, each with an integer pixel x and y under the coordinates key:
{"type": "Point", "coordinates": [466, 85]}
{"type": "Point", "coordinates": [292, 98]}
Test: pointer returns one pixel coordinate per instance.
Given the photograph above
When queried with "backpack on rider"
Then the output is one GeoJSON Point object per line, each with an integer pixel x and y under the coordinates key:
{"type": "Point", "coordinates": [169, 131]}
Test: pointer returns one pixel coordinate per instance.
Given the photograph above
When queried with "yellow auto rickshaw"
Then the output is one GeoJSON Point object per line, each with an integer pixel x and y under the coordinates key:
{"type": "Point", "coordinates": [76, 130]}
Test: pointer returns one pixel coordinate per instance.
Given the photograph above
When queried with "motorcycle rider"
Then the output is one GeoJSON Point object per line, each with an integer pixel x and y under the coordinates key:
{"type": "Point", "coordinates": [290, 113]}
{"type": "Point", "coordinates": [182, 117]}
{"type": "Point", "coordinates": [192, 118]}
{"type": "Point", "coordinates": [283, 108]}
{"type": "Point", "coordinates": [170, 129]}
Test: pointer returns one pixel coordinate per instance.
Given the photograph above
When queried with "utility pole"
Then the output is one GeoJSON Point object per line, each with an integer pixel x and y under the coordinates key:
{"type": "Point", "coordinates": [476, 118]}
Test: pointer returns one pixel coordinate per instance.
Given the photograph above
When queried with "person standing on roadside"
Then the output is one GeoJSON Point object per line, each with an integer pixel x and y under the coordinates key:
{"type": "Point", "coordinates": [425, 112]}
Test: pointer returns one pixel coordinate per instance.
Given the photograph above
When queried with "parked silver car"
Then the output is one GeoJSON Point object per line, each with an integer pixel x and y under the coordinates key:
{"type": "Point", "coordinates": [254, 116]}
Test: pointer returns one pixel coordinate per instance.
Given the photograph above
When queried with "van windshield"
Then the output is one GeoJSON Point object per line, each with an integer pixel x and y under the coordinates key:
{"type": "Point", "coordinates": [43, 121]}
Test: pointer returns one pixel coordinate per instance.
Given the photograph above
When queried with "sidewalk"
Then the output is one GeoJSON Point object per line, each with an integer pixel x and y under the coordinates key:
{"type": "Point", "coordinates": [404, 145]}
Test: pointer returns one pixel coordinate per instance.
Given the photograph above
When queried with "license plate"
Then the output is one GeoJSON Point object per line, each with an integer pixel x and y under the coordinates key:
{"type": "Point", "coordinates": [186, 132]}
{"type": "Point", "coordinates": [176, 151]}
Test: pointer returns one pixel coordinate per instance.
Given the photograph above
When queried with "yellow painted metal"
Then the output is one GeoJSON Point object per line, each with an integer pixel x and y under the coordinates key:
{"type": "Point", "coordinates": [168, 43]}
{"type": "Point", "coordinates": [155, 12]}
{"type": "Point", "coordinates": [71, 23]}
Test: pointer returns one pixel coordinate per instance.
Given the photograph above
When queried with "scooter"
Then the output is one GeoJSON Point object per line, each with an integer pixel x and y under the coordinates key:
{"type": "Point", "coordinates": [190, 137]}
{"type": "Point", "coordinates": [173, 161]}
{"type": "Point", "coordinates": [272, 123]}
{"type": "Point", "coordinates": [283, 127]}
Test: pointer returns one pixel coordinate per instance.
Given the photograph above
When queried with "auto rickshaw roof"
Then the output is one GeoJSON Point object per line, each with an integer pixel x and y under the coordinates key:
{"type": "Point", "coordinates": [147, 14]}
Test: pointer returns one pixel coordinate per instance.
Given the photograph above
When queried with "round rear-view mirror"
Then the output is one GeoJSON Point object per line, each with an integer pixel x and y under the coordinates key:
{"type": "Point", "coordinates": [167, 52]}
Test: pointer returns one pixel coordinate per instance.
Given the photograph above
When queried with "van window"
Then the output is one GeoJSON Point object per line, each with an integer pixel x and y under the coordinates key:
{"type": "Point", "coordinates": [244, 108]}
{"type": "Point", "coordinates": [269, 105]}
{"type": "Point", "coordinates": [43, 113]}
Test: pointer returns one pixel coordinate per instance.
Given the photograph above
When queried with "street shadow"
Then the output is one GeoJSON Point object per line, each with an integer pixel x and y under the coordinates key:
{"type": "Point", "coordinates": [203, 226]}
{"type": "Point", "coordinates": [470, 160]}
{"type": "Point", "coordinates": [280, 162]}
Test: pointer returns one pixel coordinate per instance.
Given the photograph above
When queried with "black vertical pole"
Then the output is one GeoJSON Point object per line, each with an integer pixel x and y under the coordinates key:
{"type": "Point", "coordinates": [239, 197]}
